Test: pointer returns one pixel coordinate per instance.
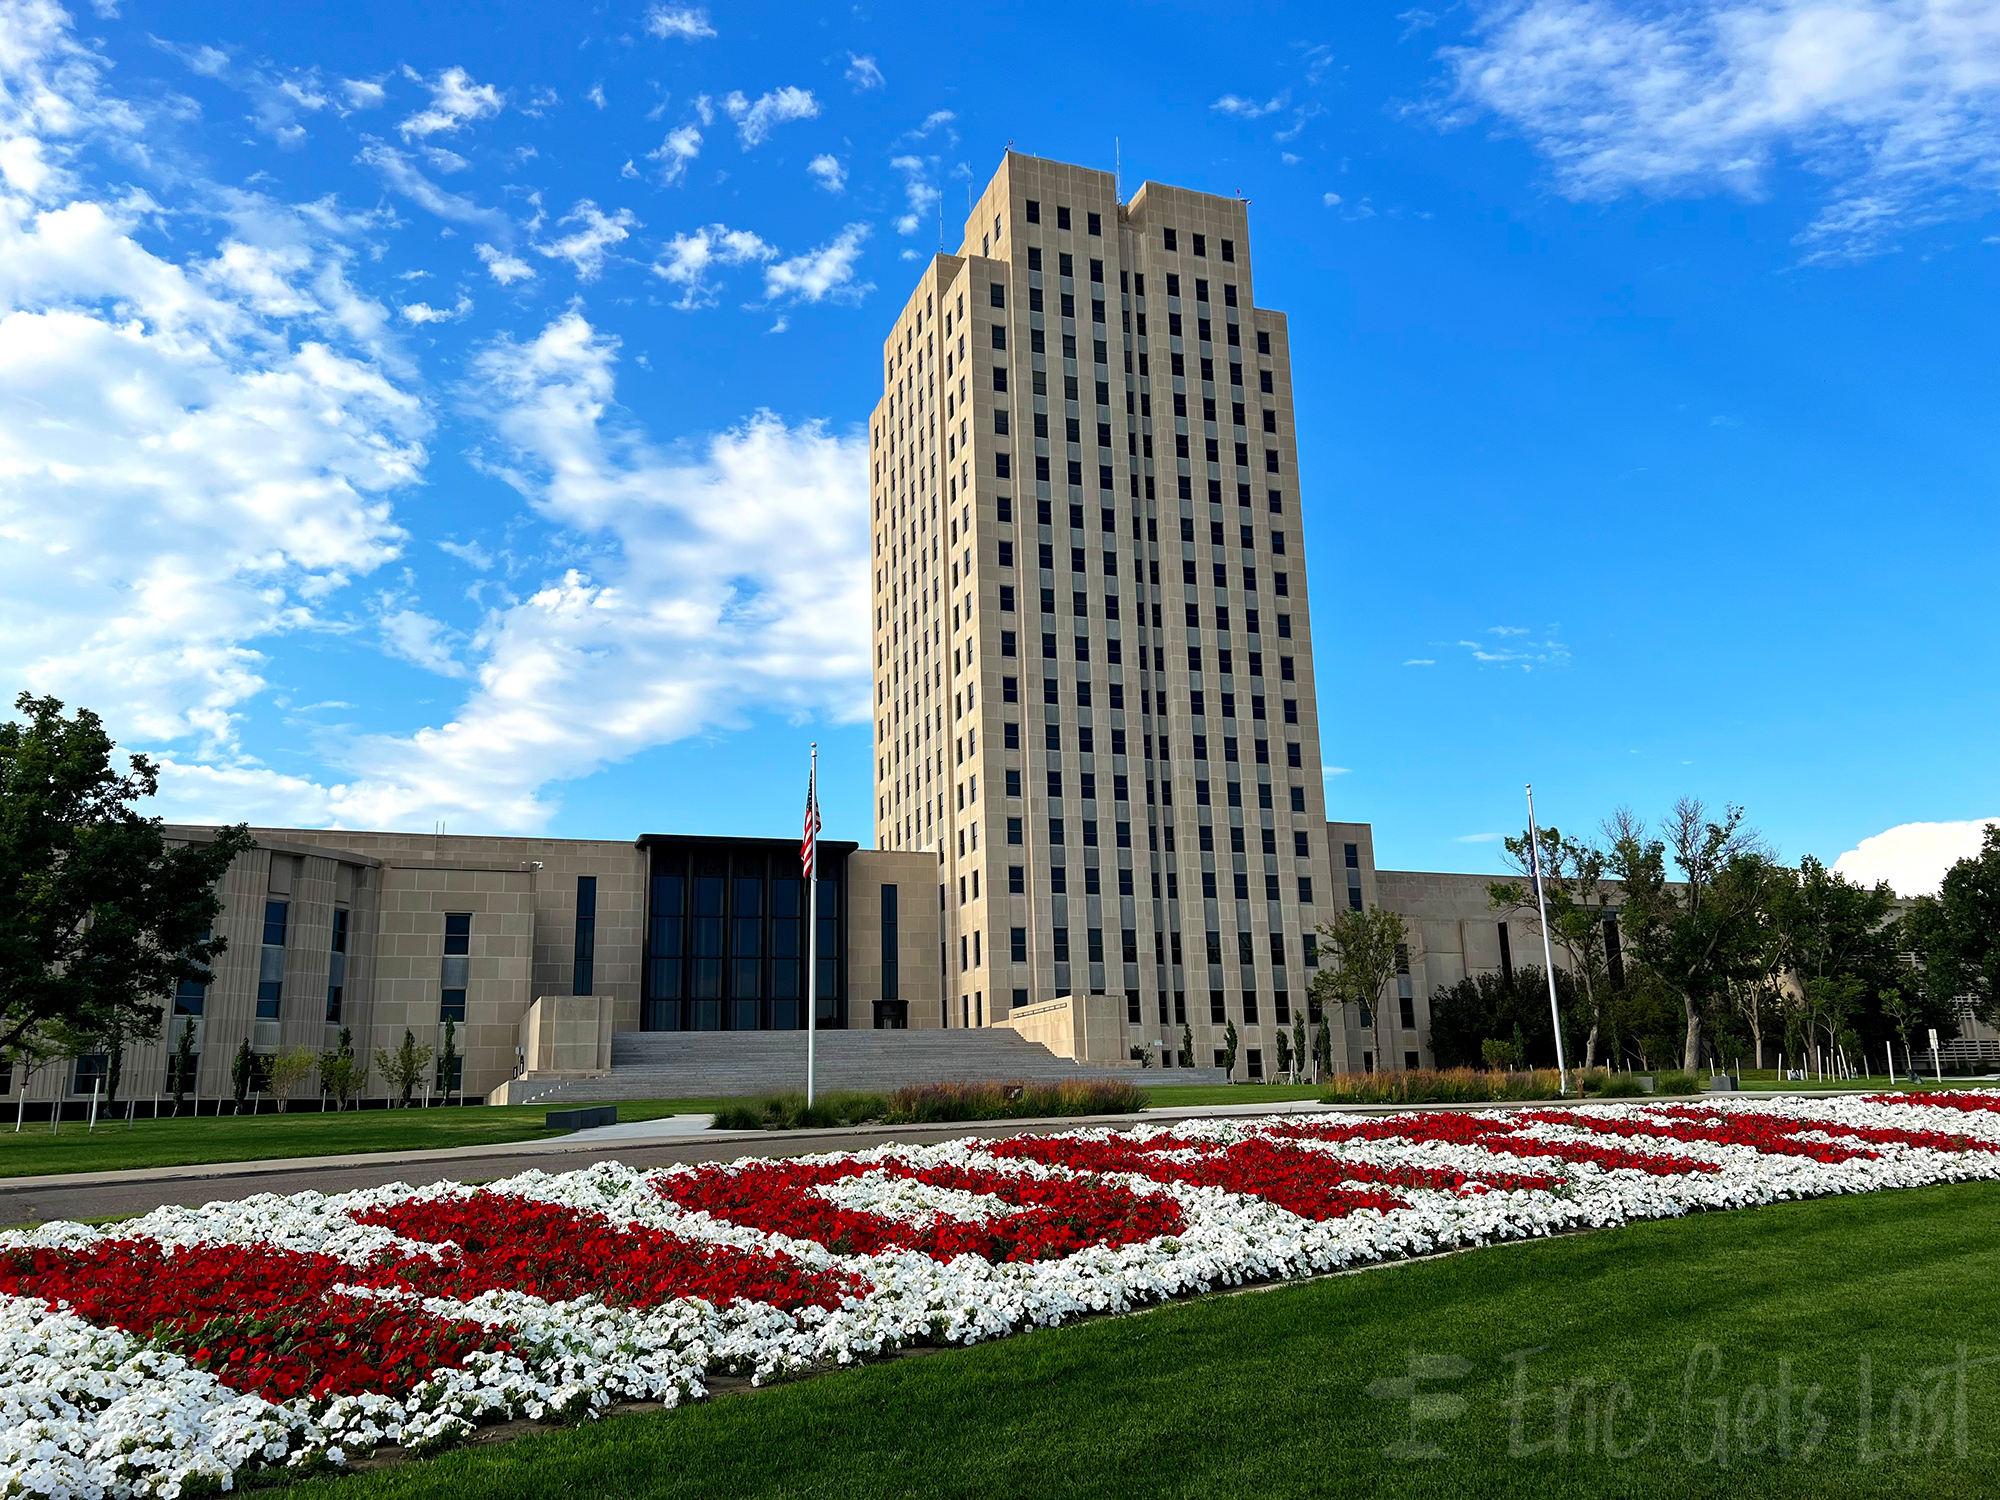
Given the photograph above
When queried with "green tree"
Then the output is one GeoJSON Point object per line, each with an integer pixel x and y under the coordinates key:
{"type": "Point", "coordinates": [1187, 1045]}
{"type": "Point", "coordinates": [289, 1069]}
{"type": "Point", "coordinates": [1699, 933]}
{"type": "Point", "coordinates": [1323, 1048]}
{"type": "Point", "coordinates": [1229, 1040]}
{"type": "Point", "coordinates": [1363, 947]}
{"type": "Point", "coordinates": [403, 1069]}
{"type": "Point", "coordinates": [1284, 1053]}
{"type": "Point", "coordinates": [1956, 936]}
{"type": "Point", "coordinates": [341, 1075]}
{"type": "Point", "coordinates": [99, 915]}
{"type": "Point", "coordinates": [1299, 1040]}
{"type": "Point", "coordinates": [1573, 888]}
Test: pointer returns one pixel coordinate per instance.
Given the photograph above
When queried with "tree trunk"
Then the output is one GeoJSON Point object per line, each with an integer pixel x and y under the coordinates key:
{"type": "Point", "coordinates": [1691, 1056]}
{"type": "Point", "coordinates": [1590, 1047]}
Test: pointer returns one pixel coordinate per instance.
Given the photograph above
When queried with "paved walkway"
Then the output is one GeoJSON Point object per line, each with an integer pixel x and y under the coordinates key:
{"type": "Point", "coordinates": [640, 1143]}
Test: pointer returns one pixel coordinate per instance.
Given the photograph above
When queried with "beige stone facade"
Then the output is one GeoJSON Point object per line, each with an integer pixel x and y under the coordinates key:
{"type": "Point", "coordinates": [380, 933]}
{"type": "Point", "coordinates": [1094, 684]}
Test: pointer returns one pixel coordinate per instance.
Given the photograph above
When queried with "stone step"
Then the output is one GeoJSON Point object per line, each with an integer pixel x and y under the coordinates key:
{"type": "Point", "coordinates": [671, 1065]}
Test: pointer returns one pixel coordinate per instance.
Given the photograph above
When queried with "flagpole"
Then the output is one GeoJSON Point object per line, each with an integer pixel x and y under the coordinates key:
{"type": "Point", "coordinates": [812, 922]}
{"type": "Point", "coordinates": [1548, 959]}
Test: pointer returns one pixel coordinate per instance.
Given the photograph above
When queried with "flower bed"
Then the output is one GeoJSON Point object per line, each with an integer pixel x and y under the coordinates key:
{"type": "Point", "coordinates": [194, 1344]}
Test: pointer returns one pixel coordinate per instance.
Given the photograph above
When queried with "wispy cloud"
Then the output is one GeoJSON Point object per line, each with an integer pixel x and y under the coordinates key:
{"type": "Point", "coordinates": [831, 174]}
{"type": "Point", "coordinates": [1895, 105]}
{"type": "Point", "coordinates": [1516, 646]}
{"type": "Point", "coordinates": [756, 119]}
{"type": "Point", "coordinates": [1247, 109]}
{"type": "Point", "coordinates": [1421, 661]}
{"type": "Point", "coordinates": [586, 247]}
{"type": "Point", "coordinates": [456, 101]}
{"type": "Point", "coordinates": [675, 152]}
{"type": "Point", "coordinates": [917, 191]}
{"type": "Point", "coordinates": [818, 275]}
{"type": "Point", "coordinates": [502, 267]}
{"type": "Point", "coordinates": [1478, 838]}
{"type": "Point", "coordinates": [687, 22]}
{"type": "Point", "coordinates": [423, 312]}
{"type": "Point", "coordinates": [688, 258]}
{"type": "Point", "coordinates": [863, 73]}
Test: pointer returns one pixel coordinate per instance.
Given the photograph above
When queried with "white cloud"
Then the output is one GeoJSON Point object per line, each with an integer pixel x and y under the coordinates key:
{"type": "Point", "coordinates": [198, 454]}
{"type": "Point", "coordinates": [1332, 771]}
{"type": "Point", "coordinates": [686, 22]}
{"type": "Point", "coordinates": [917, 190]}
{"type": "Point", "coordinates": [1478, 838]}
{"type": "Point", "coordinates": [676, 151]}
{"type": "Point", "coordinates": [1895, 104]}
{"type": "Point", "coordinates": [756, 120]}
{"type": "Point", "coordinates": [470, 553]}
{"type": "Point", "coordinates": [444, 161]}
{"type": "Point", "coordinates": [401, 176]}
{"type": "Point", "coordinates": [831, 174]}
{"type": "Point", "coordinates": [1517, 646]}
{"type": "Point", "coordinates": [863, 73]}
{"type": "Point", "coordinates": [1913, 857]}
{"type": "Point", "coordinates": [1421, 661]}
{"type": "Point", "coordinates": [1247, 109]}
{"type": "Point", "coordinates": [502, 267]}
{"type": "Point", "coordinates": [687, 259]}
{"type": "Point", "coordinates": [413, 636]}
{"type": "Point", "coordinates": [362, 93]}
{"type": "Point", "coordinates": [725, 582]}
{"type": "Point", "coordinates": [455, 102]}
{"type": "Point", "coordinates": [596, 233]}
{"type": "Point", "coordinates": [934, 119]}
{"type": "Point", "coordinates": [423, 312]}
{"type": "Point", "coordinates": [822, 273]}
{"type": "Point", "coordinates": [1331, 200]}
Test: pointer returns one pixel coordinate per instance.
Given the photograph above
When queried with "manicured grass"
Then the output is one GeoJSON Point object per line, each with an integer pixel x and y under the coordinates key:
{"type": "Point", "coordinates": [1294, 1391]}
{"type": "Point", "coordinates": [1187, 1095]}
{"type": "Point", "coordinates": [172, 1143]}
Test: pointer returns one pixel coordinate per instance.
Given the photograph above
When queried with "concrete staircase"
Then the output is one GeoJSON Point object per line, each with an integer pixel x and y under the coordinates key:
{"type": "Point", "coordinates": [729, 1064]}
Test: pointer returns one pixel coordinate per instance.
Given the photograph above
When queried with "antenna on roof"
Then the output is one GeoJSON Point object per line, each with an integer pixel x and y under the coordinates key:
{"type": "Point", "coordinates": [1117, 169]}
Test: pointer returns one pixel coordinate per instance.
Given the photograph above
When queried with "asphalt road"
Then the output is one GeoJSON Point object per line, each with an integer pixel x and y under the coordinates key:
{"type": "Point", "coordinates": [23, 1202]}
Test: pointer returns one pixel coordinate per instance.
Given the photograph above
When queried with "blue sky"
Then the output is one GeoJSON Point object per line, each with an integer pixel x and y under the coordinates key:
{"type": "Point", "coordinates": [455, 414]}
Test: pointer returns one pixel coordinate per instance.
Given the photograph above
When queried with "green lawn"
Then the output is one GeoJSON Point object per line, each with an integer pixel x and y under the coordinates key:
{"type": "Point", "coordinates": [172, 1143]}
{"type": "Point", "coordinates": [1658, 1331]}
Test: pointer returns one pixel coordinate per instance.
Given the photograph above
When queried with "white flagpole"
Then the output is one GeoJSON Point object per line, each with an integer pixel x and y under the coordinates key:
{"type": "Point", "coordinates": [812, 927]}
{"type": "Point", "coordinates": [1548, 959]}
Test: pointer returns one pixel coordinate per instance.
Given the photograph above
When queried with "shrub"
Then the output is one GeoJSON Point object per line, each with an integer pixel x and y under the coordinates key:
{"type": "Point", "coordinates": [929, 1103]}
{"type": "Point", "coordinates": [1439, 1086]}
{"type": "Point", "coordinates": [1676, 1083]}
{"type": "Point", "coordinates": [789, 1112]}
{"type": "Point", "coordinates": [1619, 1086]}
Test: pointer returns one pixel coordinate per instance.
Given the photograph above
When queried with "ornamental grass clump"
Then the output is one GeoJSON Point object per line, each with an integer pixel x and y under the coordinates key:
{"type": "Point", "coordinates": [1440, 1086]}
{"type": "Point", "coordinates": [929, 1103]}
{"type": "Point", "coordinates": [789, 1112]}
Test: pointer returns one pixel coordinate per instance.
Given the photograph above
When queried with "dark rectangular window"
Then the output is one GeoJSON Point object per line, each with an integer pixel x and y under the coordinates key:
{"type": "Point", "coordinates": [1059, 941]}
{"type": "Point", "coordinates": [584, 969]}
{"type": "Point", "coordinates": [1506, 951]}
{"type": "Point", "coordinates": [890, 976]}
{"type": "Point", "coordinates": [1017, 944]}
{"type": "Point", "coordinates": [455, 970]}
{"type": "Point", "coordinates": [1062, 218]}
{"type": "Point", "coordinates": [1095, 223]}
{"type": "Point", "coordinates": [336, 971]}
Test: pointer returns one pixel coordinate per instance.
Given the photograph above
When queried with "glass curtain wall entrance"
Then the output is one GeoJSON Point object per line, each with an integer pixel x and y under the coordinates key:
{"type": "Point", "coordinates": [726, 936]}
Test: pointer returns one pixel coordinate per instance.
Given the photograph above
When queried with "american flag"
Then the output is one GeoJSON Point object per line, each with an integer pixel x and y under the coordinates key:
{"type": "Point", "coordinates": [808, 844]}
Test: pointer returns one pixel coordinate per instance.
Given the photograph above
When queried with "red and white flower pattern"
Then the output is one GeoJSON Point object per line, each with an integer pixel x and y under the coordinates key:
{"type": "Point", "coordinates": [195, 1343]}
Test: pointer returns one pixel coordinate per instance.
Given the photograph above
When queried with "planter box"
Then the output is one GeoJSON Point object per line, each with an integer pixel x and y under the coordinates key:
{"type": "Point", "coordinates": [582, 1119]}
{"type": "Point", "coordinates": [1722, 1083]}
